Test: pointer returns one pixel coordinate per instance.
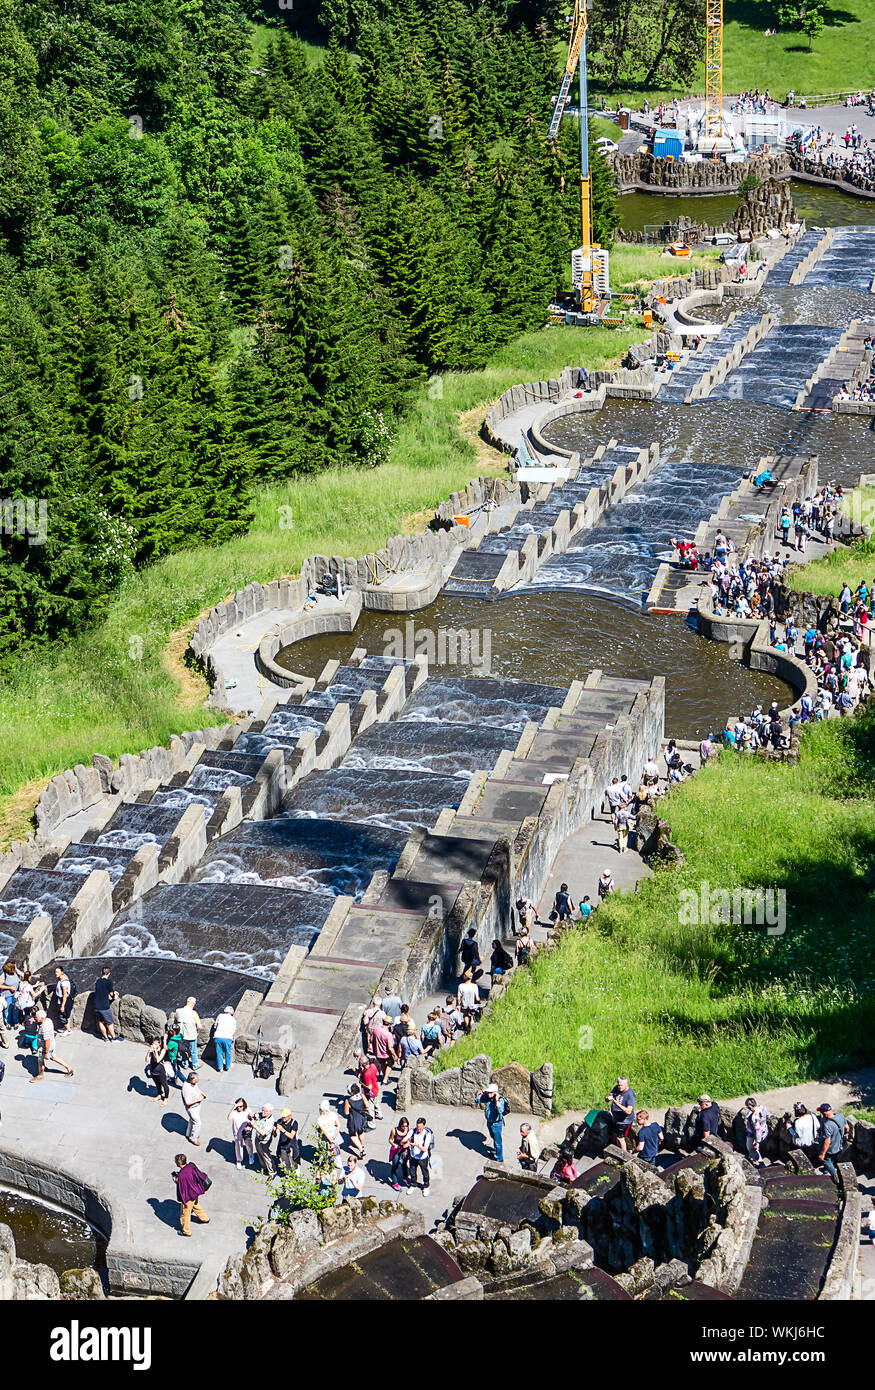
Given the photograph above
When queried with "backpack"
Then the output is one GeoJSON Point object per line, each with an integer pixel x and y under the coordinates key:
{"type": "Point", "coordinates": [264, 1070]}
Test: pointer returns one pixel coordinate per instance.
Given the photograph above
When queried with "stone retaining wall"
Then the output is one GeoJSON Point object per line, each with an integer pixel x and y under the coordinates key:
{"type": "Point", "coordinates": [645, 172]}
{"type": "Point", "coordinates": [731, 359]}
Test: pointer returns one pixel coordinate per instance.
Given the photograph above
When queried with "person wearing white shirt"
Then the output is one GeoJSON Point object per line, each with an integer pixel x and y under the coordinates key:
{"type": "Point", "coordinates": [189, 1023]}
{"type": "Point", "coordinates": [223, 1037]}
{"type": "Point", "coordinates": [354, 1178]}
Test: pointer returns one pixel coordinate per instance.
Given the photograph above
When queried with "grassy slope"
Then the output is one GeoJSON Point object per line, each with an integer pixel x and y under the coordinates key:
{"type": "Point", "coordinates": [640, 265]}
{"type": "Point", "coordinates": [827, 576]}
{"type": "Point", "coordinates": [686, 1008]}
{"type": "Point", "coordinates": [843, 57]}
{"type": "Point", "coordinates": [89, 695]}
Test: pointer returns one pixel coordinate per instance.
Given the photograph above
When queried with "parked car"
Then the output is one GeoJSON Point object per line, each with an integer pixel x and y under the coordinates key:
{"type": "Point", "coordinates": [606, 146]}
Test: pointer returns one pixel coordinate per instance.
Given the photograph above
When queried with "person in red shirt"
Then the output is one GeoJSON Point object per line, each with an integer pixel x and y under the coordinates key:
{"type": "Point", "coordinates": [369, 1079]}
{"type": "Point", "coordinates": [385, 1051]}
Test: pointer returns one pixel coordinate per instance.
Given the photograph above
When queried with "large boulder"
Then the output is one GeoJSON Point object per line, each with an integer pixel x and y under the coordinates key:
{"type": "Point", "coordinates": [81, 1284]}
{"type": "Point", "coordinates": [34, 1282]}
{"type": "Point", "coordinates": [515, 1084]}
{"type": "Point", "coordinates": [293, 1240]}
{"type": "Point", "coordinates": [448, 1087]}
{"type": "Point", "coordinates": [475, 1078]}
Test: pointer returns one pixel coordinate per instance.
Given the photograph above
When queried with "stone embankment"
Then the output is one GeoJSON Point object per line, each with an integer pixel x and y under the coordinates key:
{"type": "Point", "coordinates": [646, 173]}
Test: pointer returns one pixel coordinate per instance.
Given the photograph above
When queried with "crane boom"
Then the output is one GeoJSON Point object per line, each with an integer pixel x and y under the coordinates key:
{"type": "Point", "coordinates": [576, 61]}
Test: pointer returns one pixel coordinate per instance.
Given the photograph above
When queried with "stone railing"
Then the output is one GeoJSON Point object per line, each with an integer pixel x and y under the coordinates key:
{"type": "Point", "coordinates": [526, 1092]}
{"type": "Point", "coordinates": [848, 178]}
{"type": "Point", "coordinates": [799, 272]}
{"type": "Point", "coordinates": [730, 359]}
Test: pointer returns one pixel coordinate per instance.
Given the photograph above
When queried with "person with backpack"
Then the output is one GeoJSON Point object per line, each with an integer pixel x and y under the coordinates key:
{"type": "Point", "coordinates": [173, 1044]}
{"type": "Point", "coordinates": [495, 1108]}
{"type": "Point", "coordinates": [469, 953]}
{"type": "Point", "coordinates": [421, 1150]}
{"type": "Point", "coordinates": [832, 1138]}
{"type": "Point", "coordinates": [191, 1184]}
{"type": "Point", "coordinates": [563, 908]}
{"type": "Point", "coordinates": [63, 1000]}
{"type": "Point", "coordinates": [606, 885]}
{"type": "Point", "coordinates": [189, 1023]}
{"type": "Point", "coordinates": [756, 1128]}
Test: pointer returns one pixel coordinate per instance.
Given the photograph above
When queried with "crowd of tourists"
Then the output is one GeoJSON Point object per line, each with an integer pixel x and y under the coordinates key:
{"type": "Point", "coordinates": [821, 1135]}
{"type": "Point", "coordinates": [863, 390]}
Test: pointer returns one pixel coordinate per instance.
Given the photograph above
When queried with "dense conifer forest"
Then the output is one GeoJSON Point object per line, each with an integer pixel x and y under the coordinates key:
{"type": "Point", "coordinates": [223, 263]}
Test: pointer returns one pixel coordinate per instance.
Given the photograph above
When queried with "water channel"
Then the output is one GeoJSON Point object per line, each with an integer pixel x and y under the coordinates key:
{"type": "Point", "coordinates": [583, 609]}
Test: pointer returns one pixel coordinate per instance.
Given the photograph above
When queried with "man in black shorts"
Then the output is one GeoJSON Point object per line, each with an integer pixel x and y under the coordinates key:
{"type": "Point", "coordinates": [622, 1102]}
{"type": "Point", "coordinates": [104, 993]}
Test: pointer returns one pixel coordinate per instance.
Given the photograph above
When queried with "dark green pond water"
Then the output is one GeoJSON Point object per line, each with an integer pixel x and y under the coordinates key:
{"type": "Point", "coordinates": [48, 1236]}
{"type": "Point", "coordinates": [823, 207]}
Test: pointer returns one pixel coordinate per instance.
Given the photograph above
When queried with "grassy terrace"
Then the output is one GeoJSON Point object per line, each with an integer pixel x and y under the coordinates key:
{"type": "Point", "coordinates": [636, 267]}
{"type": "Point", "coordinates": [683, 1008]}
{"type": "Point", "coordinates": [851, 563]}
{"type": "Point", "coordinates": [102, 693]}
{"type": "Point", "coordinates": [841, 57]}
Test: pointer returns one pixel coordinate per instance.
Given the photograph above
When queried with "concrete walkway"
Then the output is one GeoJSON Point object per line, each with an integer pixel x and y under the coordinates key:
{"type": "Point", "coordinates": [235, 652]}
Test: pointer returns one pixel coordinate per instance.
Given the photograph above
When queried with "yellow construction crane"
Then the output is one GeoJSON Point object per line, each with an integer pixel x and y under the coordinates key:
{"type": "Point", "coordinates": [713, 68]}
{"type": "Point", "coordinates": [589, 263]}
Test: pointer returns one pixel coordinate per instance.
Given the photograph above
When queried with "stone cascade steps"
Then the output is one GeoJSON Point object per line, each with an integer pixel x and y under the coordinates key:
{"type": "Point", "coordinates": [780, 274]}
{"type": "Point", "coordinates": [794, 1237]}
{"type": "Point", "coordinates": [685, 377]}
{"type": "Point", "coordinates": [775, 370]}
{"type": "Point", "coordinates": [623, 554]}
{"type": "Point", "coordinates": [847, 366]}
{"type": "Point", "coordinates": [849, 261]}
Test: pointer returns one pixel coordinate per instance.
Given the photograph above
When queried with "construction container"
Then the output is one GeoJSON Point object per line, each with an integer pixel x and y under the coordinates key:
{"type": "Point", "coordinates": [667, 144]}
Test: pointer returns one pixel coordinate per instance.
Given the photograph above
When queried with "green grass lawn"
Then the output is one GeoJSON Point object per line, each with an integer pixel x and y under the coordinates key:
{"type": "Point", "coordinates": [730, 1010]}
{"type": "Point", "coordinates": [638, 266]}
{"type": "Point", "coordinates": [851, 563]}
{"type": "Point", "coordinates": [88, 695]}
{"type": "Point", "coordinates": [842, 58]}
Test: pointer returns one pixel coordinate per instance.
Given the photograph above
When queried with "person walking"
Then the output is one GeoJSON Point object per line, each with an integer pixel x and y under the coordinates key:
{"type": "Point", "coordinates": [156, 1070]}
{"type": "Point", "coordinates": [193, 1098]}
{"type": "Point", "coordinates": [63, 1000]}
{"type": "Point", "coordinates": [191, 1184]}
{"type": "Point", "coordinates": [399, 1153]}
{"type": "Point", "coordinates": [46, 1047]}
{"type": "Point", "coordinates": [104, 994]}
{"type": "Point", "coordinates": [563, 907]}
{"type": "Point", "coordinates": [832, 1138]}
{"type": "Point", "coordinates": [189, 1023]}
{"type": "Point", "coordinates": [606, 885]}
{"type": "Point", "coordinates": [495, 1108]}
{"type": "Point", "coordinates": [355, 1108]}
{"type": "Point", "coordinates": [469, 1001]}
{"type": "Point", "coordinates": [421, 1149]}
{"type": "Point", "coordinates": [369, 1079]}
{"type": "Point", "coordinates": [239, 1118]}
{"type": "Point", "coordinates": [223, 1037]}
{"type": "Point", "coordinates": [383, 1047]}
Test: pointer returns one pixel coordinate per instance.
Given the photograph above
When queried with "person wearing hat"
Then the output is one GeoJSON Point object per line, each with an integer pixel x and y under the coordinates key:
{"type": "Point", "coordinates": [707, 1120]}
{"type": "Point", "coordinates": [495, 1108]}
{"type": "Point", "coordinates": [832, 1138]}
{"type": "Point", "coordinates": [46, 1047]}
{"type": "Point", "coordinates": [288, 1149]}
{"type": "Point", "coordinates": [329, 1125]}
{"type": "Point", "coordinates": [606, 885]}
